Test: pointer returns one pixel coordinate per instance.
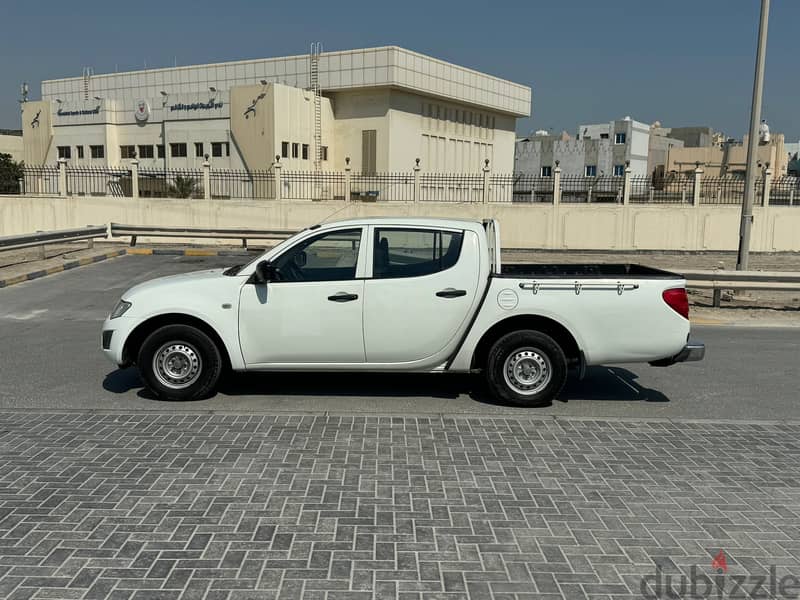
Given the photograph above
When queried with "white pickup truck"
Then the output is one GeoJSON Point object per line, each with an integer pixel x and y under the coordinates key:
{"type": "Point", "coordinates": [416, 295]}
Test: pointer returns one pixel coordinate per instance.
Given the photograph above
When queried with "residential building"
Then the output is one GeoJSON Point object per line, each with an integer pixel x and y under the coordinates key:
{"type": "Point", "coordinates": [381, 108]}
{"type": "Point", "coordinates": [598, 149]}
{"type": "Point", "coordinates": [729, 157]}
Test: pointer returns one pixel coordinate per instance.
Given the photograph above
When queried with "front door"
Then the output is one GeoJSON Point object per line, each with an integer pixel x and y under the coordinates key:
{"type": "Point", "coordinates": [417, 303]}
{"type": "Point", "coordinates": [312, 313]}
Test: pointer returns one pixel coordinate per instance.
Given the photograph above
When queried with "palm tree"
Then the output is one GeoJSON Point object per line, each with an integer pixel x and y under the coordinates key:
{"type": "Point", "coordinates": [184, 187]}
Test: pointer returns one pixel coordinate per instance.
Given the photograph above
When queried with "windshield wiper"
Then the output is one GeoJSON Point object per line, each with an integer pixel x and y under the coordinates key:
{"type": "Point", "coordinates": [231, 271]}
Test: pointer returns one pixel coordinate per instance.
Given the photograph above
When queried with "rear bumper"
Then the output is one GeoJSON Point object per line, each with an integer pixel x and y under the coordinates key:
{"type": "Point", "coordinates": [691, 352]}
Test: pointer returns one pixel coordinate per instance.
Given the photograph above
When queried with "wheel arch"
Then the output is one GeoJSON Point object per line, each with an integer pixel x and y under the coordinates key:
{"type": "Point", "coordinates": [137, 337]}
{"type": "Point", "coordinates": [560, 333]}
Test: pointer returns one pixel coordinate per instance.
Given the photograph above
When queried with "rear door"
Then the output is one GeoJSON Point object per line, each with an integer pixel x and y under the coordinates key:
{"type": "Point", "coordinates": [417, 301]}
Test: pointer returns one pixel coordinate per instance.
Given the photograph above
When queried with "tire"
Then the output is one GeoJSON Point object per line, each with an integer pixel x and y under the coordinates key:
{"type": "Point", "coordinates": [536, 364]}
{"type": "Point", "coordinates": [180, 362]}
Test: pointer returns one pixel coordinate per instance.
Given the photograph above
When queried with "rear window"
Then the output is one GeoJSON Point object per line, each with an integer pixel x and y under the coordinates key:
{"type": "Point", "coordinates": [414, 252]}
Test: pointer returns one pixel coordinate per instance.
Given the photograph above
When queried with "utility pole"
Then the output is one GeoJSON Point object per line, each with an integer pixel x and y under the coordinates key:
{"type": "Point", "coordinates": [752, 143]}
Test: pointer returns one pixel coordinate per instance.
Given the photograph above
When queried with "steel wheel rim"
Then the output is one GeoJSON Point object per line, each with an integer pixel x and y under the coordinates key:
{"type": "Point", "coordinates": [527, 371]}
{"type": "Point", "coordinates": [177, 365]}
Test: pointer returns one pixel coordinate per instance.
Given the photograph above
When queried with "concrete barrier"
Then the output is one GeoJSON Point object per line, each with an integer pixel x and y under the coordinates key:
{"type": "Point", "coordinates": [539, 225]}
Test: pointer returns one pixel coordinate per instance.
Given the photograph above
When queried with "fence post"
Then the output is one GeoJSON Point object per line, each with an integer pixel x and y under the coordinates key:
{"type": "Point", "coordinates": [487, 175]}
{"type": "Point", "coordinates": [416, 181]}
{"type": "Point", "coordinates": [278, 177]}
{"type": "Point", "coordinates": [348, 180]}
{"type": "Point", "coordinates": [134, 178]}
{"type": "Point", "coordinates": [698, 184]}
{"type": "Point", "coordinates": [206, 178]}
{"type": "Point", "coordinates": [626, 184]}
{"type": "Point", "coordinates": [62, 177]}
{"type": "Point", "coordinates": [767, 183]}
{"type": "Point", "coordinates": [557, 184]}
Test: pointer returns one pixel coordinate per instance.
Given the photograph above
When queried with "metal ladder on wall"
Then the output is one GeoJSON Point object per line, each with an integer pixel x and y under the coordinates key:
{"type": "Point", "coordinates": [316, 50]}
{"type": "Point", "coordinates": [87, 76]}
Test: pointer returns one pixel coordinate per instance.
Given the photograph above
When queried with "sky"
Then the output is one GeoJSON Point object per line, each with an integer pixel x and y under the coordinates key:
{"type": "Point", "coordinates": [683, 62]}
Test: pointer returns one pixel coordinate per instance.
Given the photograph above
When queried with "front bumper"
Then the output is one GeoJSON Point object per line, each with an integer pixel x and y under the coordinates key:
{"type": "Point", "coordinates": [113, 344]}
{"type": "Point", "coordinates": [691, 352]}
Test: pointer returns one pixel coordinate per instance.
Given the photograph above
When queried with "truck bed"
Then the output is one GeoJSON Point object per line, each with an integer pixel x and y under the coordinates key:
{"type": "Point", "coordinates": [598, 271]}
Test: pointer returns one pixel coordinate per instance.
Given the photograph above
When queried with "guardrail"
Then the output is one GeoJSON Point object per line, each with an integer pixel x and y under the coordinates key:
{"type": "Point", "coordinates": [42, 238]}
{"type": "Point", "coordinates": [117, 229]}
{"type": "Point", "coordinates": [720, 279]}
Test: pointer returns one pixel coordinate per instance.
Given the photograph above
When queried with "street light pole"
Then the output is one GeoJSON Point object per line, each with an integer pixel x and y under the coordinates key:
{"type": "Point", "coordinates": [752, 143]}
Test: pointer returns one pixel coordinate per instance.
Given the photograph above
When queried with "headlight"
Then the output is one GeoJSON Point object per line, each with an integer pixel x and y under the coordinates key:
{"type": "Point", "coordinates": [120, 309]}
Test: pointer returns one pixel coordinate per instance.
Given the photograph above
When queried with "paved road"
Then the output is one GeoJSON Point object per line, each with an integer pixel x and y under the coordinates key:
{"type": "Point", "coordinates": [49, 356]}
{"type": "Point", "coordinates": [245, 507]}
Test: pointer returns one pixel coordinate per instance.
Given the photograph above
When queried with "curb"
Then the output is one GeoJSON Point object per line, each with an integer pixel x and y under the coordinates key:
{"type": "Point", "coordinates": [70, 264]}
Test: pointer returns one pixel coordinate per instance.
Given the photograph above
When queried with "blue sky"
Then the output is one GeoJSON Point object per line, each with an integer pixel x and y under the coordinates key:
{"type": "Point", "coordinates": [681, 62]}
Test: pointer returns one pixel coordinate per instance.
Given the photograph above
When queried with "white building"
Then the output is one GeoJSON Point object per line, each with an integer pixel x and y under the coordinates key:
{"type": "Point", "coordinates": [380, 107]}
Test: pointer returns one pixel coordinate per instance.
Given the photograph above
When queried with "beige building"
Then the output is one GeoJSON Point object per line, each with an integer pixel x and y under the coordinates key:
{"type": "Point", "coordinates": [380, 107]}
{"type": "Point", "coordinates": [728, 158]}
{"type": "Point", "coordinates": [11, 143]}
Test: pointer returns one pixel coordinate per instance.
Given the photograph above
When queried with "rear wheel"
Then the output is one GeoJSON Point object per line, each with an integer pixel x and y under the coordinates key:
{"type": "Point", "coordinates": [527, 368]}
{"type": "Point", "coordinates": [180, 362]}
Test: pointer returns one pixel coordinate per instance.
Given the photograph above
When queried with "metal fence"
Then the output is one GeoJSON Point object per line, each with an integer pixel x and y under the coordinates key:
{"type": "Point", "coordinates": [40, 181]}
{"type": "Point", "coordinates": [171, 183]}
{"type": "Point", "coordinates": [577, 188]}
{"type": "Point", "coordinates": [391, 187]}
{"type": "Point", "coordinates": [311, 185]}
{"type": "Point", "coordinates": [521, 187]}
{"type": "Point", "coordinates": [672, 189]}
{"type": "Point", "coordinates": [444, 187]}
{"type": "Point", "coordinates": [785, 191]}
{"type": "Point", "coordinates": [258, 185]}
{"type": "Point", "coordinates": [99, 181]}
{"type": "Point", "coordinates": [677, 189]}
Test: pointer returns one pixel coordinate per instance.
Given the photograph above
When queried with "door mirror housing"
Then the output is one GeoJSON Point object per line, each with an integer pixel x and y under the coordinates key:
{"type": "Point", "coordinates": [265, 272]}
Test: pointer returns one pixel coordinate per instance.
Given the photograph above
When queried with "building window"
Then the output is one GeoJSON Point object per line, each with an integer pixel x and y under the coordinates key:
{"type": "Point", "coordinates": [227, 149]}
{"type": "Point", "coordinates": [603, 136]}
{"type": "Point", "coordinates": [177, 150]}
{"type": "Point", "coordinates": [619, 170]}
{"type": "Point", "coordinates": [198, 149]}
{"type": "Point", "coordinates": [547, 171]}
{"type": "Point", "coordinates": [160, 150]}
{"type": "Point", "coordinates": [295, 149]}
{"type": "Point", "coordinates": [305, 151]}
{"type": "Point", "coordinates": [64, 152]}
{"type": "Point", "coordinates": [619, 138]}
{"type": "Point", "coordinates": [323, 152]}
{"type": "Point", "coordinates": [97, 151]}
{"type": "Point", "coordinates": [127, 151]}
{"type": "Point", "coordinates": [216, 149]}
{"type": "Point", "coordinates": [79, 151]}
{"type": "Point", "coordinates": [591, 170]}
{"type": "Point", "coordinates": [146, 151]}
{"type": "Point", "coordinates": [285, 149]}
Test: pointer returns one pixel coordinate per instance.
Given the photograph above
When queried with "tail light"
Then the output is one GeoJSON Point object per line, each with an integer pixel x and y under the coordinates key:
{"type": "Point", "coordinates": [677, 300]}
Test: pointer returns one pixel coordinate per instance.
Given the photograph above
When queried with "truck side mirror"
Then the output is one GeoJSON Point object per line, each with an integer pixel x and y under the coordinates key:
{"type": "Point", "coordinates": [265, 271]}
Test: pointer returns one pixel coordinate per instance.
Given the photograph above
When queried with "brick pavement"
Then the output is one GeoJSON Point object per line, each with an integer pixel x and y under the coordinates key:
{"type": "Point", "coordinates": [210, 506]}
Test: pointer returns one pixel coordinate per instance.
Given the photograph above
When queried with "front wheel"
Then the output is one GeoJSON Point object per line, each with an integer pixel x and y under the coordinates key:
{"type": "Point", "coordinates": [527, 368]}
{"type": "Point", "coordinates": [180, 362]}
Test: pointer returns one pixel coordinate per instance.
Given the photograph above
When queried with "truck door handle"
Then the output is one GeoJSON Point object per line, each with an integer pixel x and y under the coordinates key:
{"type": "Point", "coordinates": [343, 297]}
{"type": "Point", "coordinates": [451, 293]}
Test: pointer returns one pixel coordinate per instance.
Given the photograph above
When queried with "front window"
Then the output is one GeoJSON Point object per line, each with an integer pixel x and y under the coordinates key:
{"type": "Point", "coordinates": [330, 256]}
{"type": "Point", "coordinates": [414, 252]}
